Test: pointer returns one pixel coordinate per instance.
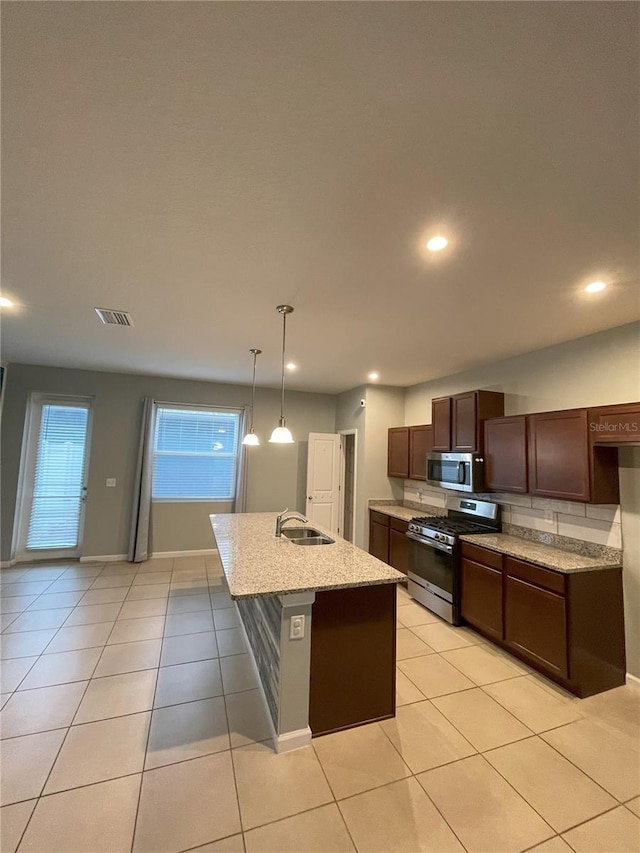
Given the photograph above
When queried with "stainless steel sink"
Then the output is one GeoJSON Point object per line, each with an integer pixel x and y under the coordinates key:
{"type": "Point", "coordinates": [313, 540]}
{"type": "Point", "coordinates": [301, 532]}
{"type": "Point", "coordinates": [307, 536]}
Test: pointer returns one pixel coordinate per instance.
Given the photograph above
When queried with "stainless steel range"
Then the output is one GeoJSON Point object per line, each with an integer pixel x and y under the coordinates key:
{"type": "Point", "coordinates": [434, 552]}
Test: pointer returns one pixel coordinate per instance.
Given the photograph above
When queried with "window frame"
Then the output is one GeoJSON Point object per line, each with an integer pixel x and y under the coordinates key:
{"type": "Point", "coordinates": [187, 407]}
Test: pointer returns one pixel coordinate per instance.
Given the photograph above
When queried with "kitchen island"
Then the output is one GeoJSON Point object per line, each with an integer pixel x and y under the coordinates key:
{"type": "Point", "coordinates": [320, 624]}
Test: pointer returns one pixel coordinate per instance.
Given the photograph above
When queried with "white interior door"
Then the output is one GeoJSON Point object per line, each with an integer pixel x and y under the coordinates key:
{"type": "Point", "coordinates": [55, 479]}
{"type": "Point", "coordinates": [323, 480]}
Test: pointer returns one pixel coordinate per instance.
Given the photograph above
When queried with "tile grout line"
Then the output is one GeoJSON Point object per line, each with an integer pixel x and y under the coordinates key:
{"type": "Point", "coordinates": [414, 775]}
{"type": "Point", "coordinates": [146, 746]}
{"type": "Point", "coordinates": [573, 764]}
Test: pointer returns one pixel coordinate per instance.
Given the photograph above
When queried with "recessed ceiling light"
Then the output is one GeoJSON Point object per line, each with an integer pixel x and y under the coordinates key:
{"type": "Point", "coordinates": [595, 286]}
{"type": "Point", "coordinates": [5, 303]}
{"type": "Point", "coordinates": [436, 244]}
{"type": "Point", "coordinates": [291, 366]}
{"type": "Point", "coordinates": [374, 375]}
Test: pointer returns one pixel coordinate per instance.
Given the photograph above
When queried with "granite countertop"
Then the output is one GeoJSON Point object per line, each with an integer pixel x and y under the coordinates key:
{"type": "Point", "coordinates": [395, 510]}
{"type": "Point", "coordinates": [540, 554]}
{"type": "Point", "coordinates": [256, 563]}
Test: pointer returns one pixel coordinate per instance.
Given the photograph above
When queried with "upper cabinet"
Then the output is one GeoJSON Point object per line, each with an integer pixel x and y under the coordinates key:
{"type": "Point", "coordinates": [441, 423]}
{"type": "Point", "coordinates": [407, 451]}
{"type": "Point", "coordinates": [550, 454]}
{"type": "Point", "coordinates": [420, 443]}
{"type": "Point", "coordinates": [505, 454]}
{"type": "Point", "coordinates": [398, 452]}
{"type": "Point", "coordinates": [559, 455]}
{"type": "Point", "coordinates": [615, 424]}
{"type": "Point", "coordinates": [568, 455]}
{"type": "Point", "coordinates": [458, 421]}
{"type": "Point", "coordinates": [564, 463]}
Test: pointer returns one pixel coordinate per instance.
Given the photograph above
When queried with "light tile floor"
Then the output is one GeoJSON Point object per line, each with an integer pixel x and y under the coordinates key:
{"type": "Point", "coordinates": [131, 722]}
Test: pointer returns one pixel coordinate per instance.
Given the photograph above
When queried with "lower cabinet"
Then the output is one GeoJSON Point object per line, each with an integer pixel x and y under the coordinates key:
{"type": "Point", "coordinates": [398, 545]}
{"type": "Point", "coordinates": [535, 625]}
{"type": "Point", "coordinates": [481, 604]}
{"type": "Point", "coordinates": [379, 536]}
{"type": "Point", "coordinates": [569, 626]}
{"type": "Point", "coordinates": [387, 540]}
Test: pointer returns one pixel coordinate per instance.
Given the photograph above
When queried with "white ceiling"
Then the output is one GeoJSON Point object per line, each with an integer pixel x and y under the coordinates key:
{"type": "Point", "coordinates": [196, 164]}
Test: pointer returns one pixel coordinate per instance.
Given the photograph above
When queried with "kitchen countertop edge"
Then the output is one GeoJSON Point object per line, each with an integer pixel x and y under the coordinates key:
{"type": "Point", "coordinates": [546, 556]}
{"type": "Point", "coordinates": [256, 563]}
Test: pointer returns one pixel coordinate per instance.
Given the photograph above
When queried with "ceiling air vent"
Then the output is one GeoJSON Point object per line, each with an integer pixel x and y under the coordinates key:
{"type": "Point", "coordinates": [114, 318]}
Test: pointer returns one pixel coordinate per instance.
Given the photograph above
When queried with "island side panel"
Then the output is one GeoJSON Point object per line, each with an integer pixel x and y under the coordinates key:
{"type": "Point", "coordinates": [353, 657]}
{"type": "Point", "coordinates": [261, 618]}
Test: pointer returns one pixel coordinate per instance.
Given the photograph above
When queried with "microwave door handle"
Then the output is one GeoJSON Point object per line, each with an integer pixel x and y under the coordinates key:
{"type": "Point", "coordinates": [461, 473]}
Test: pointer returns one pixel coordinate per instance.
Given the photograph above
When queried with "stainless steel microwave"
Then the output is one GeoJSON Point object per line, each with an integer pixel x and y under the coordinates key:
{"type": "Point", "coordinates": [460, 471]}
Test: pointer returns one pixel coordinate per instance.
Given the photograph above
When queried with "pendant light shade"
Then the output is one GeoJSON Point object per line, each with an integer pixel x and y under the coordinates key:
{"type": "Point", "coordinates": [251, 439]}
{"type": "Point", "coordinates": [281, 434]}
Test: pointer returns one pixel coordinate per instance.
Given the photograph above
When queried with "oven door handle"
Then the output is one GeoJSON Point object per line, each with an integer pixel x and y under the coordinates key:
{"type": "Point", "coordinates": [430, 543]}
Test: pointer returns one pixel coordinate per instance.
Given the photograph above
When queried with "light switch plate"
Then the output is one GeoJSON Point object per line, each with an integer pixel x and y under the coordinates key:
{"type": "Point", "coordinates": [111, 482]}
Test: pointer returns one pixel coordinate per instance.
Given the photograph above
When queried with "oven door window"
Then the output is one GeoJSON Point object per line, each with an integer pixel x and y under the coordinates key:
{"type": "Point", "coordinates": [435, 567]}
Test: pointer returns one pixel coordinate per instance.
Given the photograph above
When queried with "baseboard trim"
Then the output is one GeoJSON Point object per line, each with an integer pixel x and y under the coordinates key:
{"type": "Point", "coordinates": [8, 564]}
{"type": "Point", "coordinates": [292, 740]}
{"type": "Point", "coordinates": [105, 558]}
{"type": "Point", "coordinates": [633, 681]}
{"type": "Point", "coordinates": [198, 553]}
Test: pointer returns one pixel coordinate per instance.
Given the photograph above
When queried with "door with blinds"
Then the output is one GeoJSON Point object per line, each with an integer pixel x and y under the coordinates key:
{"type": "Point", "coordinates": [55, 478]}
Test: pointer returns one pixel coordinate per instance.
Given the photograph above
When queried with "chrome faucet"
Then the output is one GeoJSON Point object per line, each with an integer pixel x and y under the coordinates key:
{"type": "Point", "coordinates": [281, 519]}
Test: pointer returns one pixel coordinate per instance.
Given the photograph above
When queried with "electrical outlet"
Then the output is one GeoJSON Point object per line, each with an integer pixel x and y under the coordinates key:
{"type": "Point", "coordinates": [111, 482]}
{"type": "Point", "coordinates": [548, 515]}
{"type": "Point", "coordinates": [296, 628]}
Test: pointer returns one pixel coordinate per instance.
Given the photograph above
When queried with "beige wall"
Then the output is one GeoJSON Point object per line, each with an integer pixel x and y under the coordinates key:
{"type": "Point", "coordinates": [591, 371]}
{"type": "Point", "coordinates": [384, 407]}
{"type": "Point", "coordinates": [274, 472]}
{"type": "Point", "coordinates": [184, 526]}
{"type": "Point", "coordinates": [351, 415]}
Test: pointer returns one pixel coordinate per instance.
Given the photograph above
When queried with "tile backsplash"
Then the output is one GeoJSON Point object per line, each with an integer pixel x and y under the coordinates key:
{"type": "Point", "coordinates": [597, 524]}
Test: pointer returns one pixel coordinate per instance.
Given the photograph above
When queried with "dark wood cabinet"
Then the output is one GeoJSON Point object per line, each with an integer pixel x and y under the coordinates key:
{"type": "Point", "coordinates": [481, 603]}
{"type": "Point", "coordinates": [564, 463]}
{"type": "Point", "coordinates": [420, 443]}
{"type": "Point", "coordinates": [458, 421]}
{"type": "Point", "coordinates": [353, 654]}
{"type": "Point", "coordinates": [407, 449]}
{"type": "Point", "coordinates": [569, 626]}
{"type": "Point", "coordinates": [379, 536]}
{"type": "Point", "coordinates": [535, 625]}
{"type": "Point", "coordinates": [505, 454]}
{"type": "Point", "coordinates": [559, 455]}
{"type": "Point", "coordinates": [398, 545]}
{"type": "Point", "coordinates": [619, 424]}
{"type": "Point", "coordinates": [387, 540]}
{"type": "Point", "coordinates": [398, 452]}
{"type": "Point", "coordinates": [463, 423]}
{"type": "Point", "coordinates": [441, 423]}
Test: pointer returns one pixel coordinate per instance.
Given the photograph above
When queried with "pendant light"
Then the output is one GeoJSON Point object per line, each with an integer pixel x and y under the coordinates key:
{"type": "Point", "coordinates": [282, 435]}
{"type": "Point", "coordinates": [251, 439]}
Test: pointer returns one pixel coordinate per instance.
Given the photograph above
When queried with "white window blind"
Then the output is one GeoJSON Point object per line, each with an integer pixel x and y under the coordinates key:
{"type": "Point", "coordinates": [195, 454]}
{"type": "Point", "coordinates": [59, 478]}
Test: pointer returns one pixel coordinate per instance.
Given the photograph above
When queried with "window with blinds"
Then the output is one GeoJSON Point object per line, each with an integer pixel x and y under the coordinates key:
{"type": "Point", "coordinates": [58, 492]}
{"type": "Point", "coordinates": [195, 454]}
